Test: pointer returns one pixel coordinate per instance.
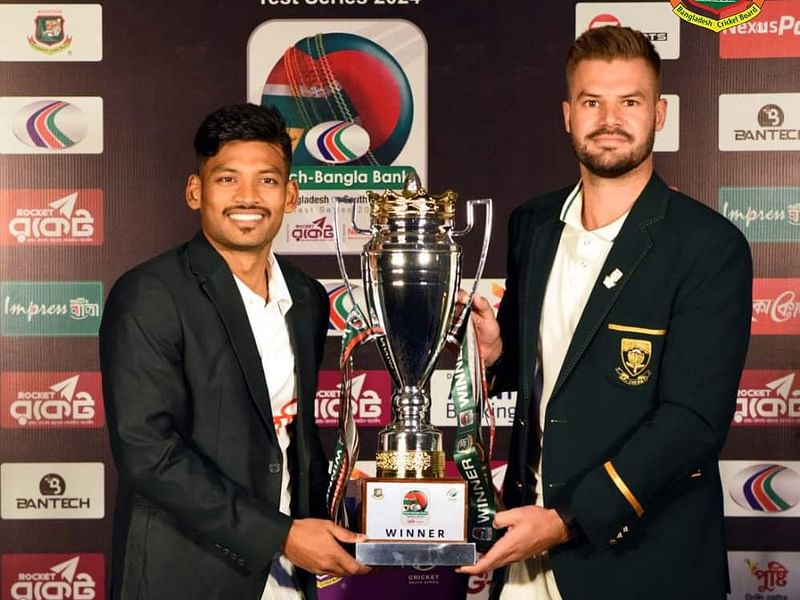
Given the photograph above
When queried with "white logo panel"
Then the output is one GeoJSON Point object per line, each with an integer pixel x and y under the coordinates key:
{"type": "Point", "coordinates": [759, 122]}
{"type": "Point", "coordinates": [51, 32]}
{"type": "Point", "coordinates": [52, 490]}
{"type": "Point", "coordinates": [654, 19]}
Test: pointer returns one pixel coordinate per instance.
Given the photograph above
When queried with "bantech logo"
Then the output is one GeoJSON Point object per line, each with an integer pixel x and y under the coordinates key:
{"type": "Point", "coordinates": [53, 577]}
{"type": "Point", "coordinates": [47, 308]}
{"type": "Point", "coordinates": [52, 400]}
{"type": "Point", "coordinates": [768, 398]}
{"type": "Point", "coordinates": [654, 19]}
{"type": "Point", "coordinates": [52, 490]}
{"type": "Point", "coordinates": [761, 489]}
{"type": "Point", "coordinates": [370, 399]}
{"type": "Point", "coordinates": [774, 34]}
{"type": "Point", "coordinates": [759, 122]}
{"type": "Point", "coordinates": [51, 217]}
{"type": "Point", "coordinates": [763, 214]}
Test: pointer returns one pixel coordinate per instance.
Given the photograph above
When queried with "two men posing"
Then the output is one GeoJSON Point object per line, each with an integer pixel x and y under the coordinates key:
{"type": "Point", "coordinates": [624, 329]}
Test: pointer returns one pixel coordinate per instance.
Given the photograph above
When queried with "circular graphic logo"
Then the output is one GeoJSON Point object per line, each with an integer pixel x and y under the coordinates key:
{"type": "Point", "coordinates": [770, 115]}
{"type": "Point", "coordinates": [52, 484]}
{"type": "Point", "coordinates": [51, 124]}
{"type": "Point", "coordinates": [337, 142]}
{"type": "Point", "coordinates": [603, 20]}
{"type": "Point", "coordinates": [766, 488]}
{"type": "Point", "coordinates": [345, 98]}
{"type": "Point", "coordinates": [415, 502]}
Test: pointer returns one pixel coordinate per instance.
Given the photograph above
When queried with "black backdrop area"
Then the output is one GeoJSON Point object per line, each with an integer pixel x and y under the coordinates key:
{"type": "Point", "coordinates": [494, 129]}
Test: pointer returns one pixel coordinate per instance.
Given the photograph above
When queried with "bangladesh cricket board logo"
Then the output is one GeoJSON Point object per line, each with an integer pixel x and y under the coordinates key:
{"type": "Point", "coordinates": [49, 36]}
{"type": "Point", "coordinates": [717, 15]}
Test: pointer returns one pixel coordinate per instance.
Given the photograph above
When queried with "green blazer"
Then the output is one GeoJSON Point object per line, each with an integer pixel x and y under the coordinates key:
{"type": "Point", "coordinates": [192, 432]}
{"type": "Point", "coordinates": [643, 401]}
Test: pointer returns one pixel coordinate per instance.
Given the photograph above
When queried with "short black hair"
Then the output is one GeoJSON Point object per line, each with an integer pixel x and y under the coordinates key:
{"type": "Point", "coordinates": [242, 122]}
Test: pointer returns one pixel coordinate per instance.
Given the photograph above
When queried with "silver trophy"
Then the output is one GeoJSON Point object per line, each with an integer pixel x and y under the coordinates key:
{"type": "Point", "coordinates": [411, 270]}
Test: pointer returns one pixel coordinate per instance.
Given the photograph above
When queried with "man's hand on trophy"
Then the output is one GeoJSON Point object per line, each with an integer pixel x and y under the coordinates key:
{"type": "Point", "coordinates": [486, 326]}
{"type": "Point", "coordinates": [314, 545]}
{"type": "Point", "coordinates": [531, 530]}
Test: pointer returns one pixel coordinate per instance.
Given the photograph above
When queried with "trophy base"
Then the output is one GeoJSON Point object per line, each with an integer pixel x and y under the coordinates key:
{"type": "Point", "coordinates": [407, 554]}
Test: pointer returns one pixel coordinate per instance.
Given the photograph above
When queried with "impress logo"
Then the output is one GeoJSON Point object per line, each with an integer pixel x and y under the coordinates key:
{"type": "Point", "coordinates": [52, 490]}
{"type": "Point", "coordinates": [763, 214]}
{"type": "Point", "coordinates": [654, 19]}
{"type": "Point", "coordinates": [761, 489]}
{"type": "Point", "coordinates": [35, 125]}
{"type": "Point", "coordinates": [776, 307]}
{"type": "Point", "coordinates": [759, 122]}
{"type": "Point", "coordinates": [53, 577]}
{"type": "Point", "coordinates": [774, 34]}
{"type": "Point", "coordinates": [51, 33]}
{"type": "Point", "coordinates": [51, 400]}
{"type": "Point", "coordinates": [47, 308]}
{"type": "Point", "coordinates": [51, 217]}
{"type": "Point", "coordinates": [370, 398]}
{"type": "Point", "coordinates": [768, 398]}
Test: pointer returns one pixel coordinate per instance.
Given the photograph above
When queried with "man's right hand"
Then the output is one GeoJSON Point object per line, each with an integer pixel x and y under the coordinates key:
{"type": "Point", "coordinates": [313, 545]}
{"type": "Point", "coordinates": [488, 330]}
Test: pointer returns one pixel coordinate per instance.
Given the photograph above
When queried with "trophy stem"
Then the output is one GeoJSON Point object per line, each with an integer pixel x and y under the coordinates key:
{"type": "Point", "coordinates": [410, 447]}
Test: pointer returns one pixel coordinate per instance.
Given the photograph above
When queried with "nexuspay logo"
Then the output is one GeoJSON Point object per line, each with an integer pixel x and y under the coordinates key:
{"type": "Point", "coordinates": [52, 490]}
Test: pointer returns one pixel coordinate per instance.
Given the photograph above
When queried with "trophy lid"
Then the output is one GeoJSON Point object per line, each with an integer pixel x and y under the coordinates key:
{"type": "Point", "coordinates": [413, 202]}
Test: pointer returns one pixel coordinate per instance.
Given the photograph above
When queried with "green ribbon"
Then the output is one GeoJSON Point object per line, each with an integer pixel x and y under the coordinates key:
{"type": "Point", "coordinates": [469, 394]}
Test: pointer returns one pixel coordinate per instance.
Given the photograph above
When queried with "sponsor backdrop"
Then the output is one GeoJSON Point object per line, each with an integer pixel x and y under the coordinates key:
{"type": "Point", "coordinates": [98, 106]}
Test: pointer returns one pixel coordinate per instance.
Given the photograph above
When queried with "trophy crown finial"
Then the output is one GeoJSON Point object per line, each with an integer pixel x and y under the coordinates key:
{"type": "Point", "coordinates": [412, 184]}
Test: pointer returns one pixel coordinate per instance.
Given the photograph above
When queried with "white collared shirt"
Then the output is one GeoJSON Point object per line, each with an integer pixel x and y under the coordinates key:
{"type": "Point", "coordinates": [576, 267]}
{"type": "Point", "coordinates": [268, 323]}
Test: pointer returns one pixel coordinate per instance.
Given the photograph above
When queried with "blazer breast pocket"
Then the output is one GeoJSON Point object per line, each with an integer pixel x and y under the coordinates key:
{"type": "Point", "coordinates": [634, 354]}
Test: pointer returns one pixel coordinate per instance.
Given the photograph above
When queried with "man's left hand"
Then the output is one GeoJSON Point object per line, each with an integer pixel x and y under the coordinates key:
{"type": "Point", "coordinates": [531, 530]}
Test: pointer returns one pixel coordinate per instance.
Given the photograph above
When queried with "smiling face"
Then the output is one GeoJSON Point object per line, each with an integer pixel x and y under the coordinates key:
{"type": "Point", "coordinates": [612, 115]}
{"type": "Point", "coordinates": [242, 193]}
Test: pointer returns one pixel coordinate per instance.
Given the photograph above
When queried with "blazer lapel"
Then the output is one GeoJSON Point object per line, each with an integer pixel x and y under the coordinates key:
{"type": "Point", "coordinates": [543, 249]}
{"type": "Point", "coordinates": [217, 282]}
{"type": "Point", "coordinates": [629, 249]}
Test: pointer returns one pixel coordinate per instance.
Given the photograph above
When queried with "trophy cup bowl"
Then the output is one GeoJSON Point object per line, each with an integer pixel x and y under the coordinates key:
{"type": "Point", "coordinates": [411, 272]}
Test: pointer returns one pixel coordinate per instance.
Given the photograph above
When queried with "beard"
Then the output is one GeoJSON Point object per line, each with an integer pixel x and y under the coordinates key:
{"type": "Point", "coordinates": [603, 163]}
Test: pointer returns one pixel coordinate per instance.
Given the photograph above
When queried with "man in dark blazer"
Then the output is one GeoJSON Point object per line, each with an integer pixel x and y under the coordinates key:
{"type": "Point", "coordinates": [627, 379]}
{"type": "Point", "coordinates": [193, 428]}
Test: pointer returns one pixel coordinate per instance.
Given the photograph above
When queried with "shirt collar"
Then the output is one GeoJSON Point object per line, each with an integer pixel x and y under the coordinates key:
{"type": "Point", "coordinates": [571, 215]}
{"type": "Point", "coordinates": [278, 290]}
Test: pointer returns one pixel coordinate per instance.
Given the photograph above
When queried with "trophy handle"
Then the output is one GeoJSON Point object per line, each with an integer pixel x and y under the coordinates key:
{"type": "Point", "coordinates": [337, 241]}
{"type": "Point", "coordinates": [457, 330]}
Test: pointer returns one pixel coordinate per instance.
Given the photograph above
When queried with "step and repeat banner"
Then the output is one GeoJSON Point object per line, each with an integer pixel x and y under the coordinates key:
{"type": "Point", "coordinates": [99, 103]}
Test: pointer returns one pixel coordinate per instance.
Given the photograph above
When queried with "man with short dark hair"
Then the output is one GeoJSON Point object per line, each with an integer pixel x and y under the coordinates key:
{"type": "Point", "coordinates": [624, 329]}
{"type": "Point", "coordinates": [210, 354]}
